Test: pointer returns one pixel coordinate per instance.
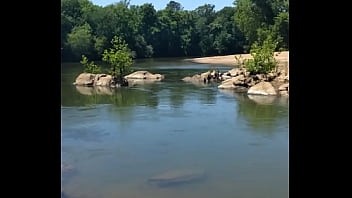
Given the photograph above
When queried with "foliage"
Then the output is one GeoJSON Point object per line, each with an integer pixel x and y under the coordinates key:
{"type": "Point", "coordinates": [118, 56]}
{"type": "Point", "coordinates": [90, 67]}
{"type": "Point", "coordinates": [80, 40]}
{"type": "Point", "coordinates": [240, 61]}
{"type": "Point", "coordinates": [172, 31]}
{"type": "Point", "coordinates": [258, 19]}
{"type": "Point", "coordinates": [263, 57]}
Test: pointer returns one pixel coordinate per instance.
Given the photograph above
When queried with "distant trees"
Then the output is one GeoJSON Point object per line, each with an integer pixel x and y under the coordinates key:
{"type": "Point", "coordinates": [259, 19]}
{"type": "Point", "coordinates": [172, 31]}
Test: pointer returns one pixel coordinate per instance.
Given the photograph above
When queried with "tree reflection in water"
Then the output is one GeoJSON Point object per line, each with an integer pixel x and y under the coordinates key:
{"type": "Point", "coordinates": [260, 113]}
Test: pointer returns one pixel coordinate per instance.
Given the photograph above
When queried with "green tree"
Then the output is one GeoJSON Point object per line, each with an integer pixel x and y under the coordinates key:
{"type": "Point", "coordinates": [80, 41]}
{"type": "Point", "coordinates": [228, 39]}
{"type": "Point", "coordinates": [258, 19]}
{"type": "Point", "coordinates": [119, 57]}
{"type": "Point", "coordinates": [205, 15]}
{"type": "Point", "coordinates": [100, 43]}
{"type": "Point", "coordinates": [263, 57]}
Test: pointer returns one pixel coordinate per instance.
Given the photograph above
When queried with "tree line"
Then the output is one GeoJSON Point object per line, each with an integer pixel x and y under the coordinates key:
{"type": "Point", "coordinates": [171, 32]}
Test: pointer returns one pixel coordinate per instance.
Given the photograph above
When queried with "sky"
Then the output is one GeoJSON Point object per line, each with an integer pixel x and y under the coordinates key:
{"type": "Point", "coordinates": [161, 4]}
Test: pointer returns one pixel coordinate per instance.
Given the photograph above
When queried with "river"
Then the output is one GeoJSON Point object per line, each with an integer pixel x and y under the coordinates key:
{"type": "Point", "coordinates": [114, 140]}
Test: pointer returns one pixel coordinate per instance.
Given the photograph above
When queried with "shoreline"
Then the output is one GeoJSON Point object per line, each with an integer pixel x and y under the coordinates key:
{"type": "Point", "coordinates": [229, 60]}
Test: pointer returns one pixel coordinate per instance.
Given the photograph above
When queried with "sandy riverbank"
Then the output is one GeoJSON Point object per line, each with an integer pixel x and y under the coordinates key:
{"type": "Point", "coordinates": [281, 57]}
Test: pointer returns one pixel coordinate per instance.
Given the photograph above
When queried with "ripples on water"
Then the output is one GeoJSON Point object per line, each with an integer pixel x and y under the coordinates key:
{"type": "Point", "coordinates": [117, 140]}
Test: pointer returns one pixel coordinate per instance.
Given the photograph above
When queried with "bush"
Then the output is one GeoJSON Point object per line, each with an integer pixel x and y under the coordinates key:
{"type": "Point", "coordinates": [119, 57]}
{"type": "Point", "coordinates": [90, 67]}
{"type": "Point", "coordinates": [263, 57]}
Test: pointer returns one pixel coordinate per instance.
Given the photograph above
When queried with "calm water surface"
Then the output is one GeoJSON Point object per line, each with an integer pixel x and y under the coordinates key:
{"type": "Point", "coordinates": [114, 140]}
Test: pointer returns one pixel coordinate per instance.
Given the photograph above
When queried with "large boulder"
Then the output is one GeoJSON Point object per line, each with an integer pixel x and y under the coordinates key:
{"type": "Point", "coordinates": [103, 80]}
{"type": "Point", "coordinates": [233, 82]}
{"type": "Point", "coordinates": [144, 75]}
{"type": "Point", "coordinates": [86, 79]}
{"type": "Point", "coordinates": [89, 79]}
{"type": "Point", "coordinates": [262, 88]}
{"type": "Point", "coordinates": [227, 84]}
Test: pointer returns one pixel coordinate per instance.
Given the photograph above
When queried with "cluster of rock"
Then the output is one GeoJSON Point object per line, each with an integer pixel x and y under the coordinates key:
{"type": "Point", "coordinates": [238, 79]}
{"type": "Point", "coordinates": [241, 80]}
{"type": "Point", "coordinates": [89, 79]}
{"type": "Point", "coordinates": [209, 76]}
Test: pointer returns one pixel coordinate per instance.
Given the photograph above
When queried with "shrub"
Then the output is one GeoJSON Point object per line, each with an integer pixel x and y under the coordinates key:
{"type": "Point", "coordinates": [263, 57]}
{"type": "Point", "coordinates": [90, 67]}
{"type": "Point", "coordinates": [119, 57]}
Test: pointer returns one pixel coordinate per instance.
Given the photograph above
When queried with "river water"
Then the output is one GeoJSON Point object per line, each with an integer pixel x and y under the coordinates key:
{"type": "Point", "coordinates": [114, 140]}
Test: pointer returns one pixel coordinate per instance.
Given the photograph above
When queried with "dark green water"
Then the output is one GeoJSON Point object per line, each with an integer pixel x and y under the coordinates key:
{"type": "Point", "coordinates": [118, 138]}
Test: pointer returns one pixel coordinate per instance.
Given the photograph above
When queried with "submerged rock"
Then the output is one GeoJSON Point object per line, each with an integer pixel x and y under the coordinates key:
{"type": "Point", "coordinates": [174, 177]}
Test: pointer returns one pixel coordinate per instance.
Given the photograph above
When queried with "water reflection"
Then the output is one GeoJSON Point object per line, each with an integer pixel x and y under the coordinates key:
{"type": "Point", "coordinates": [261, 113]}
{"type": "Point", "coordinates": [262, 100]}
{"type": "Point", "coordinates": [101, 90]}
{"type": "Point", "coordinates": [177, 96]}
{"type": "Point", "coordinates": [117, 138]}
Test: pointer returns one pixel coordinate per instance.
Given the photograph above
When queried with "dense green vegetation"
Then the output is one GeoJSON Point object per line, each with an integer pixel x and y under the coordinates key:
{"type": "Point", "coordinates": [263, 57]}
{"type": "Point", "coordinates": [87, 28]}
{"type": "Point", "coordinates": [90, 67]}
{"type": "Point", "coordinates": [118, 56]}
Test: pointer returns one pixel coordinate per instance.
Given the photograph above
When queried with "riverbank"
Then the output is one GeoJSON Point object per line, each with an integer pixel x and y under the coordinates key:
{"type": "Point", "coordinates": [239, 79]}
{"type": "Point", "coordinates": [229, 60]}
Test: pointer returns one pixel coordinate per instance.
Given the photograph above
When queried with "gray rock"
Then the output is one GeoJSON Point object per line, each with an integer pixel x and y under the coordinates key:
{"type": "Point", "coordinates": [209, 76]}
{"type": "Point", "coordinates": [103, 80]}
{"type": "Point", "coordinates": [144, 75]}
{"type": "Point", "coordinates": [262, 88]}
{"type": "Point", "coordinates": [227, 84]}
{"type": "Point", "coordinates": [86, 79]}
{"type": "Point", "coordinates": [233, 82]}
{"type": "Point", "coordinates": [238, 80]}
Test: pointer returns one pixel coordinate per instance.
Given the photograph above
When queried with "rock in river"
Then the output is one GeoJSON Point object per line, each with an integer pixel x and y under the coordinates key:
{"type": "Point", "coordinates": [144, 75]}
{"type": "Point", "coordinates": [175, 177]}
